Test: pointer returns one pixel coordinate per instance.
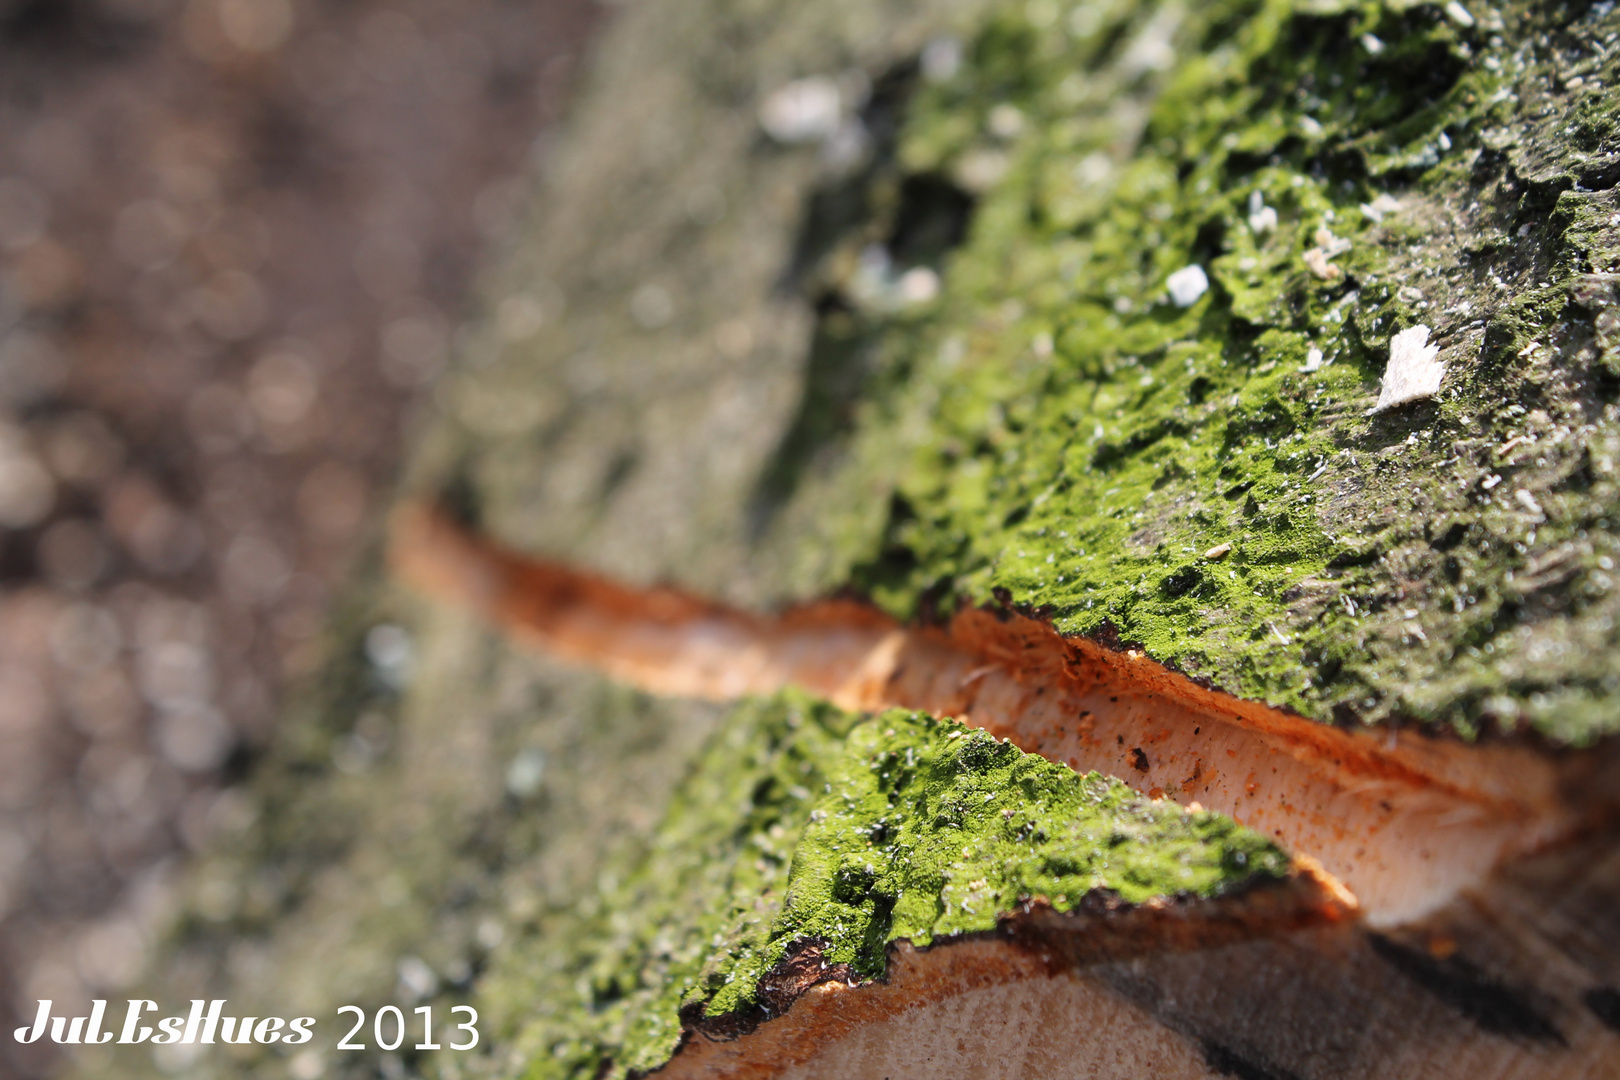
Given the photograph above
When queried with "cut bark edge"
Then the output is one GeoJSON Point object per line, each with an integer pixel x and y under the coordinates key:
{"type": "Point", "coordinates": [1404, 821]}
{"type": "Point", "coordinates": [805, 1002]}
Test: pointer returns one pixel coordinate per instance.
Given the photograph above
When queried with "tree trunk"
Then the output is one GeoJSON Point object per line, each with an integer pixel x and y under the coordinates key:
{"type": "Point", "coordinates": [1081, 342]}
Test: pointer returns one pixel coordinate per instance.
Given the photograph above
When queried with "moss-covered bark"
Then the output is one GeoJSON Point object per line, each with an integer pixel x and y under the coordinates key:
{"type": "Point", "coordinates": [1088, 440]}
{"type": "Point", "coordinates": [1091, 438]}
{"type": "Point", "coordinates": [804, 829]}
{"type": "Point", "coordinates": [939, 361]}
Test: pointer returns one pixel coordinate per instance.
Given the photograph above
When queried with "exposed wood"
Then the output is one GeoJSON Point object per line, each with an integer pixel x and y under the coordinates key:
{"type": "Point", "coordinates": [1404, 821]}
{"type": "Point", "coordinates": [1514, 980]}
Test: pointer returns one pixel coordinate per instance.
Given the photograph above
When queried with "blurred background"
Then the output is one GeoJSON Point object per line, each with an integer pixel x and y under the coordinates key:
{"type": "Point", "coordinates": [236, 240]}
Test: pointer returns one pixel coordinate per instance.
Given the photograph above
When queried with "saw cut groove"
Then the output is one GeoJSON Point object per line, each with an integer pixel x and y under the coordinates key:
{"type": "Point", "coordinates": [1403, 821]}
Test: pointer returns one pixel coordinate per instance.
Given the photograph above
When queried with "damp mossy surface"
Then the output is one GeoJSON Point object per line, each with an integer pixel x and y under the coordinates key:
{"type": "Point", "coordinates": [1205, 478]}
{"type": "Point", "coordinates": [804, 825]}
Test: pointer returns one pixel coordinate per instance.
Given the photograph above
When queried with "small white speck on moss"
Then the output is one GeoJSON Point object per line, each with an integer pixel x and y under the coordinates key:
{"type": "Point", "coordinates": [1318, 264]}
{"type": "Point", "coordinates": [918, 285]}
{"type": "Point", "coordinates": [1005, 122]}
{"type": "Point", "coordinates": [1413, 372]}
{"type": "Point", "coordinates": [942, 59]}
{"type": "Point", "coordinates": [1385, 204]}
{"type": "Point", "coordinates": [1262, 218]}
{"type": "Point", "coordinates": [807, 110]}
{"type": "Point", "coordinates": [1187, 285]}
{"type": "Point", "coordinates": [526, 773]}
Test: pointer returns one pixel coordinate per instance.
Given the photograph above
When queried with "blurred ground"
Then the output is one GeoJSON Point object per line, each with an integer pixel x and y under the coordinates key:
{"type": "Point", "coordinates": [236, 237]}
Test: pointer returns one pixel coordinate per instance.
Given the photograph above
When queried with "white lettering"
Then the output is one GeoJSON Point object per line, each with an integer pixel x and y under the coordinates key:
{"type": "Point", "coordinates": [24, 1034]}
{"type": "Point", "coordinates": [171, 1027]}
{"type": "Point", "coordinates": [137, 1006]}
{"type": "Point", "coordinates": [93, 1035]}
{"type": "Point", "coordinates": [239, 1032]}
{"type": "Point", "coordinates": [299, 1031]}
{"type": "Point", "coordinates": [210, 1022]}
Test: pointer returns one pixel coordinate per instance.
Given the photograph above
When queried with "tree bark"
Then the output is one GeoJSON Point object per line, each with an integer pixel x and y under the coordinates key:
{"type": "Point", "coordinates": [780, 324]}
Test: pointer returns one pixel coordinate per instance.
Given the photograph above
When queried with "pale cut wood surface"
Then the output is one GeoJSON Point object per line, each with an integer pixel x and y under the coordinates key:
{"type": "Point", "coordinates": [1519, 979]}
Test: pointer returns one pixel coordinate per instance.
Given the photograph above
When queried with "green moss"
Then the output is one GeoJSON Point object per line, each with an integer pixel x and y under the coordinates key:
{"type": "Point", "coordinates": [805, 825]}
{"type": "Point", "coordinates": [1087, 440]}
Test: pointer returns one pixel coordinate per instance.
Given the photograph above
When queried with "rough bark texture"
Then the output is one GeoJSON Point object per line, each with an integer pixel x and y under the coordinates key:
{"type": "Point", "coordinates": [938, 355]}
